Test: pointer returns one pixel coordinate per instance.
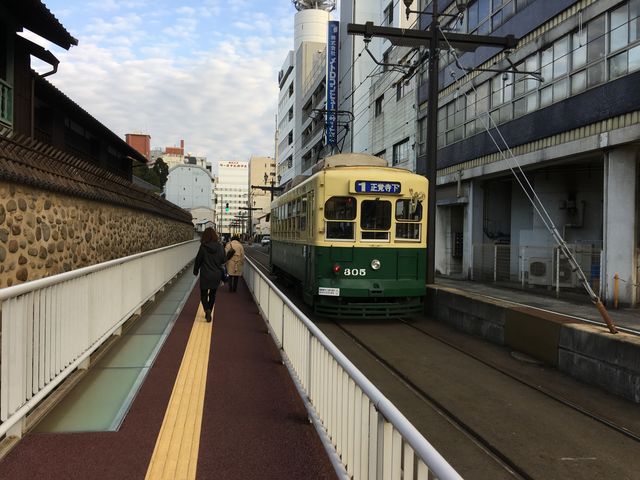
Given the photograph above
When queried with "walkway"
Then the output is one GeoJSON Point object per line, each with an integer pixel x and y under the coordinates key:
{"type": "Point", "coordinates": [624, 317]}
{"type": "Point", "coordinates": [216, 403]}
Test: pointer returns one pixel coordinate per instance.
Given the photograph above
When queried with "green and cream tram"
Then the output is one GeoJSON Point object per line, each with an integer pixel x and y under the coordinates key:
{"type": "Point", "coordinates": [353, 235]}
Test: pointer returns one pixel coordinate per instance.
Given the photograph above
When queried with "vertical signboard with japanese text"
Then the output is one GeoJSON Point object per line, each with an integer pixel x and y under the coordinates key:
{"type": "Point", "coordinates": [332, 83]}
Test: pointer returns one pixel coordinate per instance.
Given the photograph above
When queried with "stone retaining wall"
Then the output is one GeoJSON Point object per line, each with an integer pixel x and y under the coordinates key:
{"type": "Point", "coordinates": [44, 233]}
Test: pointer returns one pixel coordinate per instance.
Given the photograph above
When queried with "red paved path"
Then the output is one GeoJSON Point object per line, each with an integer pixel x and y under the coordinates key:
{"type": "Point", "coordinates": [254, 423]}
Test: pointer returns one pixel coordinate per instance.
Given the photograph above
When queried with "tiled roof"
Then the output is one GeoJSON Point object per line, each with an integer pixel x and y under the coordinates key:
{"type": "Point", "coordinates": [26, 161]}
{"type": "Point", "coordinates": [44, 87]}
{"type": "Point", "coordinates": [35, 16]}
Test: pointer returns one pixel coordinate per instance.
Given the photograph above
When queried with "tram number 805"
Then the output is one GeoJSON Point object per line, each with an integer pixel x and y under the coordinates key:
{"type": "Point", "coordinates": [355, 272]}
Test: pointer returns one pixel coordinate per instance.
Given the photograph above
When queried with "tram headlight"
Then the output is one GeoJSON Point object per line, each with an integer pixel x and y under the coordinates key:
{"type": "Point", "coordinates": [375, 264]}
{"type": "Point", "coordinates": [336, 269]}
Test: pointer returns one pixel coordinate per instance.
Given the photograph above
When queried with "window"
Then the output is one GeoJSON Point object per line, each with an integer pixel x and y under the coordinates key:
{"type": "Point", "coordinates": [338, 211]}
{"type": "Point", "coordinates": [408, 217]}
{"type": "Point", "coordinates": [401, 152]}
{"type": "Point", "coordinates": [378, 108]}
{"type": "Point", "coordinates": [302, 224]}
{"type": "Point", "coordinates": [291, 89]}
{"type": "Point", "coordinates": [375, 215]}
{"type": "Point", "coordinates": [422, 136]}
{"type": "Point", "coordinates": [291, 113]}
{"type": "Point", "coordinates": [619, 24]}
{"type": "Point", "coordinates": [605, 48]}
{"type": "Point", "coordinates": [401, 90]}
{"type": "Point", "coordinates": [290, 138]}
{"type": "Point", "coordinates": [388, 15]}
{"type": "Point", "coordinates": [385, 59]}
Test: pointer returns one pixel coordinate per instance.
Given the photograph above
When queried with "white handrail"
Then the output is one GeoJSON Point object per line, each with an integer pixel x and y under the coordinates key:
{"type": "Point", "coordinates": [51, 326]}
{"type": "Point", "coordinates": [366, 429]}
{"type": "Point", "coordinates": [40, 283]}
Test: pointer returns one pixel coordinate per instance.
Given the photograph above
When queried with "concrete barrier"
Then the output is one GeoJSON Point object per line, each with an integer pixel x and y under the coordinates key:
{"type": "Point", "coordinates": [583, 351]}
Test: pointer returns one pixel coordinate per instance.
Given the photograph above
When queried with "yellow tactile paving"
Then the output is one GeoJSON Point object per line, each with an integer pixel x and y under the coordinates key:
{"type": "Point", "coordinates": [175, 455]}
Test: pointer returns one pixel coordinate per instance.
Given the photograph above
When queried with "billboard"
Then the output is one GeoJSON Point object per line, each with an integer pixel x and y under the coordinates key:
{"type": "Point", "coordinates": [332, 83]}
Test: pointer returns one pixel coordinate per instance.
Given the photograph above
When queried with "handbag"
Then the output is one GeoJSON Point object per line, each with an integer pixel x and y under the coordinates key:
{"type": "Point", "coordinates": [225, 274]}
{"type": "Point", "coordinates": [230, 253]}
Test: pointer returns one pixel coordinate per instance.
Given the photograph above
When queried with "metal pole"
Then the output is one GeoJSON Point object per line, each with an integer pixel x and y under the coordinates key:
{"type": "Point", "coordinates": [249, 226]}
{"type": "Point", "coordinates": [432, 143]}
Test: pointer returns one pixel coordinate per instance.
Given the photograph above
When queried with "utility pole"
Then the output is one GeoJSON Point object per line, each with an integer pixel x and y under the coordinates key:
{"type": "Point", "coordinates": [250, 209]}
{"type": "Point", "coordinates": [433, 39]}
{"type": "Point", "coordinates": [271, 188]}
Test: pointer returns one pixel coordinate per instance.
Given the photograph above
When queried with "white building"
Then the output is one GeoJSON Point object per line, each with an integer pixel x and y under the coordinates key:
{"type": "Point", "coordinates": [390, 105]}
{"type": "Point", "coordinates": [356, 67]}
{"type": "Point", "coordinates": [231, 196]}
{"type": "Point", "coordinates": [303, 92]}
{"type": "Point", "coordinates": [189, 186]}
{"type": "Point", "coordinates": [286, 114]}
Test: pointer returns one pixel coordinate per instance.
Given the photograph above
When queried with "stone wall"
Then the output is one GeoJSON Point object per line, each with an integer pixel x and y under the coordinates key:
{"type": "Point", "coordinates": [44, 233]}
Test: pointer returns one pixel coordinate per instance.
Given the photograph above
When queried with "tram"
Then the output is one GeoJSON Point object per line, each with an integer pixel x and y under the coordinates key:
{"type": "Point", "coordinates": [353, 236]}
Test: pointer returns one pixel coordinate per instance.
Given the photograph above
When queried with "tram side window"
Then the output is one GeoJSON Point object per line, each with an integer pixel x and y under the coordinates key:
{"type": "Point", "coordinates": [303, 213]}
{"type": "Point", "coordinates": [338, 211]}
{"type": "Point", "coordinates": [408, 217]}
{"type": "Point", "coordinates": [375, 215]}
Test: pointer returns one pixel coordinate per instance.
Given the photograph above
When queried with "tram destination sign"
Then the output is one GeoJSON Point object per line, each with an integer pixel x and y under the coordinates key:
{"type": "Point", "coordinates": [369, 186]}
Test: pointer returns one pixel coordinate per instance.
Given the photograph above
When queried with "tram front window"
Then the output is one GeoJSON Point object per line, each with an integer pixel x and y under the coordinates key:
{"type": "Point", "coordinates": [408, 217]}
{"type": "Point", "coordinates": [375, 215]}
{"type": "Point", "coordinates": [336, 211]}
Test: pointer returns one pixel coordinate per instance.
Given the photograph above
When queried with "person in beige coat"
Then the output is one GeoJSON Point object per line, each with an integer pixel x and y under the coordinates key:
{"type": "Point", "coordinates": [235, 262]}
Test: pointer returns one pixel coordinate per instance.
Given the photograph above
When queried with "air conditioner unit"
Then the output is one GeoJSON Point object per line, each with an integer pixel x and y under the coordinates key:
{"type": "Point", "coordinates": [566, 276]}
{"type": "Point", "coordinates": [540, 271]}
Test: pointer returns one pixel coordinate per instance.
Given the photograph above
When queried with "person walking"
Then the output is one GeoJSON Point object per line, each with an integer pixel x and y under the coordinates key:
{"type": "Point", "coordinates": [235, 262]}
{"type": "Point", "coordinates": [209, 263]}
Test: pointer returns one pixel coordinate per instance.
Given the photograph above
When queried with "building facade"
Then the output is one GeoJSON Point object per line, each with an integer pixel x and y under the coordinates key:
{"type": "Point", "coordinates": [302, 97]}
{"type": "Point", "coordinates": [231, 197]}
{"type": "Point", "coordinates": [565, 123]}
{"type": "Point", "coordinates": [189, 187]}
{"type": "Point", "coordinates": [141, 142]}
{"type": "Point", "coordinates": [391, 100]}
{"type": "Point", "coordinates": [285, 119]}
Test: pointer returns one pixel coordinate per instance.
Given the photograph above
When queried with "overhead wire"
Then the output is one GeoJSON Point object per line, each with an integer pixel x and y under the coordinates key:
{"type": "Point", "coordinates": [529, 191]}
{"type": "Point", "coordinates": [298, 137]}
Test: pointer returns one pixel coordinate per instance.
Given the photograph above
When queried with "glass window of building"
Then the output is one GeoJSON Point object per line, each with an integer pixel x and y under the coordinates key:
{"type": "Point", "coordinates": [401, 152]}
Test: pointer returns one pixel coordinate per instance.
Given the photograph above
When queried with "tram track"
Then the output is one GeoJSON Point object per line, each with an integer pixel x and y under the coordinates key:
{"type": "Point", "coordinates": [500, 453]}
{"type": "Point", "coordinates": [487, 447]}
{"type": "Point", "coordinates": [538, 388]}
{"type": "Point", "coordinates": [376, 340]}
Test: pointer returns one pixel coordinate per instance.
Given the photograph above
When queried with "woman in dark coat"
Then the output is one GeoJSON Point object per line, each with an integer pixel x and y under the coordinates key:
{"type": "Point", "coordinates": [209, 262]}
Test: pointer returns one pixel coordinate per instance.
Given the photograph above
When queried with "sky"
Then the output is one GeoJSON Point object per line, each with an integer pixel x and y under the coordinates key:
{"type": "Point", "coordinates": [200, 70]}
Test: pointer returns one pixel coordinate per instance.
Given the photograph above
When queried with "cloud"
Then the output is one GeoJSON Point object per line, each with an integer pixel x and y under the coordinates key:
{"type": "Point", "coordinates": [204, 71]}
{"type": "Point", "coordinates": [223, 103]}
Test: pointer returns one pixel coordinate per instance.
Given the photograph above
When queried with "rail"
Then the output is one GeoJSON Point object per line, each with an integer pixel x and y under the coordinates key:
{"type": "Point", "coordinates": [366, 434]}
{"type": "Point", "coordinates": [51, 326]}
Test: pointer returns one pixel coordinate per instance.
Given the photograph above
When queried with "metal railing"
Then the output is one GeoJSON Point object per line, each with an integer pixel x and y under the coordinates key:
{"type": "Point", "coordinates": [51, 326]}
{"type": "Point", "coordinates": [533, 266]}
{"type": "Point", "coordinates": [365, 435]}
